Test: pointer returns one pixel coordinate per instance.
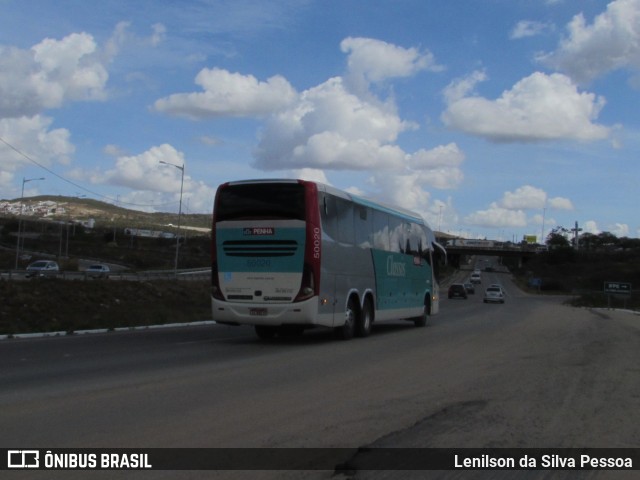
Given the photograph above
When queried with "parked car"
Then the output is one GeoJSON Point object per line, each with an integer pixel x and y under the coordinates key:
{"type": "Point", "coordinates": [468, 286]}
{"type": "Point", "coordinates": [494, 294]}
{"type": "Point", "coordinates": [42, 268]}
{"type": "Point", "coordinates": [98, 271]}
{"type": "Point", "coordinates": [457, 290]}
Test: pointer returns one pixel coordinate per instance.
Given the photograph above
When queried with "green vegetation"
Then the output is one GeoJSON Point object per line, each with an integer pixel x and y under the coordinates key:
{"type": "Point", "coordinates": [52, 305]}
{"type": "Point", "coordinates": [582, 273]}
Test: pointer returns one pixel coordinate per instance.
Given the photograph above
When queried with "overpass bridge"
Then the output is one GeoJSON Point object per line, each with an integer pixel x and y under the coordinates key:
{"type": "Point", "coordinates": [521, 252]}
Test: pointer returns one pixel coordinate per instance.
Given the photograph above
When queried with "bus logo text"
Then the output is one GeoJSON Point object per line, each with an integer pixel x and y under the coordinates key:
{"type": "Point", "coordinates": [316, 243]}
{"type": "Point", "coordinates": [258, 231]}
{"type": "Point", "coordinates": [395, 269]}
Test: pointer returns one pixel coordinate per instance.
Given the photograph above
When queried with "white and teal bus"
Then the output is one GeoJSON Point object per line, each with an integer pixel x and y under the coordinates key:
{"type": "Point", "coordinates": [292, 254]}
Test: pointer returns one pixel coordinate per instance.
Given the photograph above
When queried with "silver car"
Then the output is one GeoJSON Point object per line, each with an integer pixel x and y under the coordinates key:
{"type": "Point", "coordinates": [98, 271]}
{"type": "Point", "coordinates": [494, 294]}
{"type": "Point", "coordinates": [42, 268]}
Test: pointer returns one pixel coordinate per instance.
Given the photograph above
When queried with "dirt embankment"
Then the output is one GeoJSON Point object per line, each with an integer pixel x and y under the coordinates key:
{"type": "Point", "coordinates": [48, 305]}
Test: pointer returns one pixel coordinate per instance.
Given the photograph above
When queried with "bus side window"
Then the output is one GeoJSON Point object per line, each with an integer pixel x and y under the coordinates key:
{"type": "Point", "coordinates": [380, 233]}
{"type": "Point", "coordinates": [414, 239]}
{"type": "Point", "coordinates": [328, 216]}
{"type": "Point", "coordinates": [363, 220]}
{"type": "Point", "coordinates": [345, 219]}
{"type": "Point", "coordinates": [397, 241]}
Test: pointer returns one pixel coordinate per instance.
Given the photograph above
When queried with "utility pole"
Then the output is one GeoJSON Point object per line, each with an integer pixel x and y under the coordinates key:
{"type": "Point", "coordinates": [181, 168]}
{"type": "Point", "coordinates": [576, 231]}
{"type": "Point", "coordinates": [544, 214]}
{"type": "Point", "coordinates": [24, 180]}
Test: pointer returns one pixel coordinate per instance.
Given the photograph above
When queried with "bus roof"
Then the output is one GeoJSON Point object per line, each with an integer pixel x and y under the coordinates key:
{"type": "Point", "coordinates": [399, 211]}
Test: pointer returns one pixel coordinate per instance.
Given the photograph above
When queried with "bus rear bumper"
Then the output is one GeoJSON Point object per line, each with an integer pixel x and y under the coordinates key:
{"type": "Point", "coordinates": [299, 313]}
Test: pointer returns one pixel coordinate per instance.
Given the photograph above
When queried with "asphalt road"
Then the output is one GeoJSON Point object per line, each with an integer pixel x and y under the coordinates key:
{"type": "Point", "coordinates": [529, 373]}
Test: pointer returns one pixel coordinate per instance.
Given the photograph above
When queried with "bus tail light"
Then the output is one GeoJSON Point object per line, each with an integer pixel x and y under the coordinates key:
{"type": "Point", "coordinates": [307, 288]}
{"type": "Point", "coordinates": [216, 291]}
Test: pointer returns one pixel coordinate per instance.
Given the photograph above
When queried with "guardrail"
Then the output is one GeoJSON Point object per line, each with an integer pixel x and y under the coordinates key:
{"type": "Point", "coordinates": [149, 275]}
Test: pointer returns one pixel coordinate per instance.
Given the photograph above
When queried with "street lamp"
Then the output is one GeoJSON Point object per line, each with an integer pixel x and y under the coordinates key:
{"type": "Point", "coordinates": [544, 213]}
{"type": "Point", "coordinates": [24, 180]}
{"type": "Point", "coordinates": [181, 168]}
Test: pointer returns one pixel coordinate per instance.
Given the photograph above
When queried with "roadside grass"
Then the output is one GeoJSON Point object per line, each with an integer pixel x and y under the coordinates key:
{"type": "Point", "coordinates": [602, 300]}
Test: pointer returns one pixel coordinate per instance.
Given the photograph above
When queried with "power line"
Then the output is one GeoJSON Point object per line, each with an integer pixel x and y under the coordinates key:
{"type": "Point", "coordinates": [77, 185]}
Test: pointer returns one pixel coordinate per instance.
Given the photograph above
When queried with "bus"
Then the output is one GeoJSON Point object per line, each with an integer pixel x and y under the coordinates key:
{"type": "Point", "coordinates": [288, 255]}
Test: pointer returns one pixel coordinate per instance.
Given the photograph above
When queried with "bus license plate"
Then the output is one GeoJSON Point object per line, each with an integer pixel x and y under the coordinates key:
{"type": "Point", "coordinates": [258, 312]}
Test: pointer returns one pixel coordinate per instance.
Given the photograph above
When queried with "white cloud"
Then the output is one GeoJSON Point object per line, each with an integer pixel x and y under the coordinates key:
{"type": "Point", "coordinates": [442, 156]}
{"type": "Point", "coordinates": [114, 150]}
{"type": "Point", "coordinates": [329, 127]}
{"type": "Point", "coordinates": [340, 124]}
{"type": "Point", "coordinates": [152, 182]}
{"type": "Point", "coordinates": [33, 137]}
{"type": "Point", "coordinates": [49, 74]}
{"type": "Point", "coordinates": [619, 229]}
{"type": "Point", "coordinates": [496, 216]}
{"type": "Point", "coordinates": [310, 174]}
{"type": "Point", "coordinates": [612, 42]}
{"type": "Point", "coordinates": [510, 210]}
{"type": "Point", "coordinates": [590, 226]}
{"type": "Point", "coordinates": [459, 88]}
{"type": "Point", "coordinates": [159, 34]}
{"type": "Point", "coordinates": [370, 60]}
{"type": "Point", "coordinates": [438, 167]}
{"type": "Point", "coordinates": [145, 172]}
{"type": "Point", "coordinates": [523, 198]}
{"type": "Point", "coordinates": [404, 190]}
{"type": "Point", "coordinates": [410, 190]}
{"type": "Point", "coordinates": [529, 28]}
{"type": "Point", "coordinates": [539, 107]}
{"type": "Point", "coordinates": [229, 94]}
{"type": "Point", "coordinates": [560, 203]}
{"type": "Point", "coordinates": [529, 197]}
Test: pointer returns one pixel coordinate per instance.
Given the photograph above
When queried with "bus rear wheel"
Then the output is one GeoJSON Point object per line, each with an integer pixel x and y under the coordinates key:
{"type": "Point", "coordinates": [421, 321]}
{"type": "Point", "coordinates": [348, 330]}
{"type": "Point", "coordinates": [364, 323]}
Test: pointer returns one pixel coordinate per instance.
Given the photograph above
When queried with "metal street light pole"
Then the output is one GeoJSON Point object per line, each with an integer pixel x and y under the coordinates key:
{"type": "Point", "coordinates": [24, 180]}
{"type": "Point", "coordinates": [181, 168]}
{"type": "Point", "coordinates": [544, 214]}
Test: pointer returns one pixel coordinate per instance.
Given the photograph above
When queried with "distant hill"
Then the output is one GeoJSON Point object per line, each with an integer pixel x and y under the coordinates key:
{"type": "Point", "coordinates": [107, 214]}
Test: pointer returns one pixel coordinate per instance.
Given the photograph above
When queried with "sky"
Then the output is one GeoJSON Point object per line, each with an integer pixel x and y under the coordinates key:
{"type": "Point", "coordinates": [492, 118]}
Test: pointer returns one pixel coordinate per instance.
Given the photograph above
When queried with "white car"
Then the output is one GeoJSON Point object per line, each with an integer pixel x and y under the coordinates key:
{"type": "Point", "coordinates": [494, 294]}
{"type": "Point", "coordinates": [475, 277]}
{"type": "Point", "coordinates": [98, 271]}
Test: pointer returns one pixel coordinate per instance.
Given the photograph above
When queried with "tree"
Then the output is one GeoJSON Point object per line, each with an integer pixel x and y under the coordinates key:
{"type": "Point", "coordinates": [588, 241]}
{"type": "Point", "coordinates": [627, 243]}
{"type": "Point", "coordinates": [557, 238]}
{"type": "Point", "coordinates": [607, 241]}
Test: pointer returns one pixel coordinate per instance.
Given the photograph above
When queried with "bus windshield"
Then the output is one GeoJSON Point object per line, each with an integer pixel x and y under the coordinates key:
{"type": "Point", "coordinates": [261, 201]}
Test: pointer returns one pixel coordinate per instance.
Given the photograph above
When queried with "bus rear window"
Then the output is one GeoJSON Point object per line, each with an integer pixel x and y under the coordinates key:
{"type": "Point", "coordinates": [258, 201]}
